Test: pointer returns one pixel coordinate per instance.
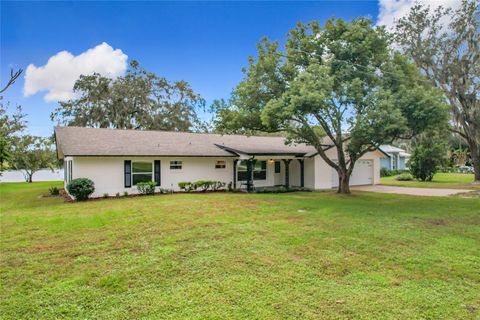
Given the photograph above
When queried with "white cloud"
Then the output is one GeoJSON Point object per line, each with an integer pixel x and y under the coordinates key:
{"type": "Point", "coordinates": [392, 10]}
{"type": "Point", "coordinates": [58, 76]}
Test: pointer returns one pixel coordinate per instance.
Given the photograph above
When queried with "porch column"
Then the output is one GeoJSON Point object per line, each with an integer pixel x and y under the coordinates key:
{"type": "Point", "coordinates": [287, 172]}
{"type": "Point", "coordinates": [250, 163]}
{"type": "Point", "coordinates": [302, 172]}
{"type": "Point", "coordinates": [235, 174]}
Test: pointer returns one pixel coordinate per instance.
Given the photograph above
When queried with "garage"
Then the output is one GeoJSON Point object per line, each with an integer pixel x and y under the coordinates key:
{"type": "Point", "coordinates": [362, 174]}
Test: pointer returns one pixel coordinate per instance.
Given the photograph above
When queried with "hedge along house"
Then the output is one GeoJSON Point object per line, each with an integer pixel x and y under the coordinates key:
{"type": "Point", "coordinates": [116, 160]}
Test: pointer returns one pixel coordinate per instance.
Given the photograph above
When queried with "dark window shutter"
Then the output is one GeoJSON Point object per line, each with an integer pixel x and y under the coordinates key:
{"type": "Point", "coordinates": [157, 172]}
{"type": "Point", "coordinates": [128, 173]}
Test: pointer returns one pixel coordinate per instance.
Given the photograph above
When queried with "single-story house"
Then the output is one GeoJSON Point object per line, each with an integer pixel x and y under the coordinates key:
{"type": "Point", "coordinates": [116, 160]}
{"type": "Point", "coordinates": [394, 158]}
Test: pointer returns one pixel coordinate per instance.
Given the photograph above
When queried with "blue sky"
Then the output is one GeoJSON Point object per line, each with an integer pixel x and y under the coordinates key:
{"type": "Point", "coordinates": [204, 43]}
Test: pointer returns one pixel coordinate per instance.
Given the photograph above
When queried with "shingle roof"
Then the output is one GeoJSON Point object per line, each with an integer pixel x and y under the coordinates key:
{"type": "Point", "coordinates": [77, 141]}
{"type": "Point", "coordinates": [389, 149]}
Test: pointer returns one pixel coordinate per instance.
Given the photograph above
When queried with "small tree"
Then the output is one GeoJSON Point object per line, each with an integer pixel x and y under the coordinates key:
{"type": "Point", "coordinates": [11, 127]}
{"type": "Point", "coordinates": [429, 153]}
{"type": "Point", "coordinates": [31, 154]}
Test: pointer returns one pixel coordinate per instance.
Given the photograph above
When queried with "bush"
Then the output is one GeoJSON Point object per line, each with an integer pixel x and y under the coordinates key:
{"type": "Point", "coordinates": [217, 185]}
{"type": "Point", "coordinates": [117, 195]}
{"type": "Point", "coordinates": [204, 185]}
{"type": "Point", "coordinates": [125, 194]}
{"type": "Point", "coordinates": [187, 186]}
{"type": "Point", "coordinates": [404, 177]}
{"type": "Point", "coordinates": [146, 187]}
{"type": "Point", "coordinates": [54, 191]}
{"type": "Point", "coordinates": [105, 195]}
{"type": "Point", "coordinates": [81, 188]}
{"type": "Point", "coordinates": [384, 172]}
{"type": "Point", "coordinates": [426, 158]}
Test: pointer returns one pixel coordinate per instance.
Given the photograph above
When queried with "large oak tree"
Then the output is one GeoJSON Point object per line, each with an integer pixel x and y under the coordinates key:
{"type": "Point", "coordinates": [137, 100]}
{"type": "Point", "coordinates": [339, 86]}
{"type": "Point", "coordinates": [449, 56]}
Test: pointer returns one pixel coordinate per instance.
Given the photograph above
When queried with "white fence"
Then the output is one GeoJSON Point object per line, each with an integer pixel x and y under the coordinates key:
{"type": "Point", "coordinates": [41, 175]}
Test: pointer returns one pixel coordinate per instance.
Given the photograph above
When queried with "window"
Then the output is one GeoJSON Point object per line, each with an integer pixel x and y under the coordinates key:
{"type": "Point", "coordinates": [220, 164]}
{"type": "Point", "coordinates": [67, 170]}
{"type": "Point", "coordinates": [277, 166]}
{"type": "Point", "coordinates": [176, 165]}
{"type": "Point", "coordinates": [259, 171]}
{"type": "Point", "coordinates": [141, 172]}
{"type": "Point", "coordinates": [242, 171]}
{"type": "Point", "coordinates": [394, 162]}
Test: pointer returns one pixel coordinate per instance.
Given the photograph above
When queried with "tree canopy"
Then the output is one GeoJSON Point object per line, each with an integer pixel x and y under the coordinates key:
{"type": "Point", "coordinates": [449, 56]}
{"type": "Point", "coordinates": [339, 86]}
{"type": "Point", "coordinates": [31, 153]}
{"type": "Point", "coordinates": [137, 100]}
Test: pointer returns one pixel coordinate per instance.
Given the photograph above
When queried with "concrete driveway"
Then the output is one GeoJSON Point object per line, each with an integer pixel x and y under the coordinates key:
{"type": "Point", "coordinates": [427, 192]}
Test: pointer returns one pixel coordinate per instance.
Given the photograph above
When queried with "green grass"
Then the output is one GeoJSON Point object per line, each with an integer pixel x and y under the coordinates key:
{"type": "Point", "coordinates": [440, 180]}
{"type": "Point", "coordinates": [239, 256]}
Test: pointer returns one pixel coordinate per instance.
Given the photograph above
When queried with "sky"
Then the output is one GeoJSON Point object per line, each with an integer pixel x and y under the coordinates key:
{"type": "Point", "coordinates": [204, 43]}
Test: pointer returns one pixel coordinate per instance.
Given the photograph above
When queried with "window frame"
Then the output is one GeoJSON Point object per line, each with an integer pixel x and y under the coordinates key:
{"type": "Point", "coordinates": [263, 169]}
{"type": "Point", "coordinates": [132, 173]}
{"type": "Point", "coordinates": [278, 165]}
{"type": "Point", "coordinates": [220, 168]}
{"type": "Point", "coordinates": [175, 169]}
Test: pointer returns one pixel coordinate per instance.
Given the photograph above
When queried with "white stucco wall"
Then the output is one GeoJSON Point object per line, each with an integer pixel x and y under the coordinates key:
{"type": "Point", "coordinates": [323, 172]}
{"type": "Point", "coordinates": [108, 172]}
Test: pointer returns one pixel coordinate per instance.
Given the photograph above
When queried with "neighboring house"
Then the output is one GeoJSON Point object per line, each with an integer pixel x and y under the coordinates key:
{"type": "Point", "coordinates": [116, 160]}
{"type": "Point", "coordinates": [394, 158]}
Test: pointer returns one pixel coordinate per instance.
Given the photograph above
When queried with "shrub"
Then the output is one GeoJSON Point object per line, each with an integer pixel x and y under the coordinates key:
{"type": "Point", "coordinates": [203, 185]}
{"type": "Point", "coordinates": [426, 158]}
{"type": "Point", "coordinates": [384, 172]}
{"type": "Point", "coordinates": [230, 186]}
{"type": "Point", "coordinates": [404, 177]}
{"type": "Point", "coordinates": [164, 191]}
{"type": "Point", "coordinates": [81, 188]}
{"type": "Point", "coordinates": [54, 191]}
{"type": "Point", "coordinates": [146, 187]}
{"type": "Point", "coordinates": [117, 195]}
{"type": "Point", "coordinates": [125, 194]}
{"type": "Point", "coordinates": [105, 195]}
{"type": "Point", "coordinates": [217, 185]}
{"type": "Point", "coordinates": [187, 186]}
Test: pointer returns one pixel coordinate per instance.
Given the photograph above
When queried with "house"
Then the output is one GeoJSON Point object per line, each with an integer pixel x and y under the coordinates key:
{"type": "Point", "coordinates": [394, 158]}
{"type": "Point", "coordinates": [116, 160]}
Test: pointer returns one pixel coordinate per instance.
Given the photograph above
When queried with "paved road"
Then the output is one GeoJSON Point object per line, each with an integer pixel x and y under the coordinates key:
{"type": "Point", "coordinates": [428, 192]}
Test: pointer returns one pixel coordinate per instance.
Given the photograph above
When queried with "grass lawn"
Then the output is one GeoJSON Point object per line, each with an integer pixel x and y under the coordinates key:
{"type": "Point", "coordinates": [239, 256]}
{"type": "Point", "coordinates": [440, 180]}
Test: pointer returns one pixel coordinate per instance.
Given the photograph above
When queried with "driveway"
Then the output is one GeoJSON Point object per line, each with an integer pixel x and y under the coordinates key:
{"type": "Point", "coordinates": [428, 192]}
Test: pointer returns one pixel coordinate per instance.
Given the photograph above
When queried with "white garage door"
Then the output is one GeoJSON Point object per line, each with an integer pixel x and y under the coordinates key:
{"type": "Point", "coordinates": [362, 174]}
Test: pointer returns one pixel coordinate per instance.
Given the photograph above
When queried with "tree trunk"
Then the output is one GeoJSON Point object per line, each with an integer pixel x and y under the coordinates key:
{"type": "Point", "coordinates": [343, 182]}
{"type": "Point", "coordinates": [475, 155]}
{"type": "Point", "coordinates": [30, 176]}
{"type": "Point", "coordinates": [476, 167]}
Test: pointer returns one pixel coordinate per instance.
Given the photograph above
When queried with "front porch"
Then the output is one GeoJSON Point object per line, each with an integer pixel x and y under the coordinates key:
{"type": "Point", "coordinates": [268, 172]}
